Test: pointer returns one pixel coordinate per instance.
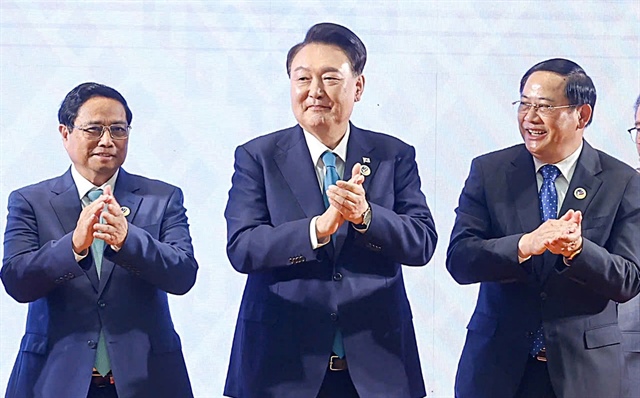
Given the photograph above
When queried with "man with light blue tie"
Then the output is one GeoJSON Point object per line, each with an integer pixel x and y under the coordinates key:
{"type": "Point", "coordinates": [549, 229]}
{"type": "Point", "coordinates": [321, 217]}
{"type": "Point", "coordinates": [94, 252]}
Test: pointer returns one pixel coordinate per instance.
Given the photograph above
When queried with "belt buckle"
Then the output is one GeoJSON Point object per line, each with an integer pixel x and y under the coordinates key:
{"type": "Point", "coordinates": [337, 367]}
{"type": "Point", "coordinates": [542, 355]}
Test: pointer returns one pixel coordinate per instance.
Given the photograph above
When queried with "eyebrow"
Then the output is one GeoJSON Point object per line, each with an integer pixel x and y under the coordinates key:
{"type": "Point", "coordinates": [541, 98]}
{"type": "Point", "coordinates": [324, 70]}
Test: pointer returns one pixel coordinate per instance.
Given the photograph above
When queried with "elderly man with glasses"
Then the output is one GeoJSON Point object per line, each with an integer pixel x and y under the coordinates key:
{"type": "Point", "coordinates": [629, 312]}
{"type": "Point", "coordinates": [549, 229]}
{"type": "Point", "coordinates": [94, 252]}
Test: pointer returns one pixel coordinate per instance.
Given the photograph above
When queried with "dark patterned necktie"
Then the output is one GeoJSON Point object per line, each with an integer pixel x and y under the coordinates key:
{"type": "Point", "coordinates": [548, 210]}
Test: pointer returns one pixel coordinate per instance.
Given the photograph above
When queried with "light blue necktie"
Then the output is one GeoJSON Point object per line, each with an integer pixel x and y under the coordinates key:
{"type": "Point", "coordinates": [102, 364]}
{"type": "Point", "coordinates": [330, 178]}
{"type": "Point", "coordinates": [548, 210]}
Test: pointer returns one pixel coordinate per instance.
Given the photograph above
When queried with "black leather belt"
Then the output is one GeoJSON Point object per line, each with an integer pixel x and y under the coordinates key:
{"type": "Point", "coordinates": [337, 364]}
{"type": "Point", "coordinates": [101, 381]}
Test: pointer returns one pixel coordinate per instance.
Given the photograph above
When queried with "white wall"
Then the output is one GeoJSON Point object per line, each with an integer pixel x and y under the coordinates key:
{"type": "Point", "coordinates": [205, 76]}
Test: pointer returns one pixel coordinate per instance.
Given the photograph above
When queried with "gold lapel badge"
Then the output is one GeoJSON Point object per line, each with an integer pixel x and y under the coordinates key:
{"type": "Point", "coordinates": [125, 210]}
{"type": "Point", "coordinates": [365, 170]}
{"type": "Point", "coordinates": [580, 193]}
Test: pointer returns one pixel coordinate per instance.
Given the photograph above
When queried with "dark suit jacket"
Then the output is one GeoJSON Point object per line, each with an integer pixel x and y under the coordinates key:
{"type": "Point", "coordinates": [296, 297]}
{"type": "Point", "coordinates": [576, 304]}
{"type": "Point", "coordinates": [68, 304]}
{"type": "Point", "coordinates": [629, 319]}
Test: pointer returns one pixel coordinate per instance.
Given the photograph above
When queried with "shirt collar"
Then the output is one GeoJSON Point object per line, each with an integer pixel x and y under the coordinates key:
{"type": "Point", "coordinates": [566, 166]}
{"type": "Point", "coordinates": [84, 186]}
{"type": "Point", "coordinates": [317, 148]}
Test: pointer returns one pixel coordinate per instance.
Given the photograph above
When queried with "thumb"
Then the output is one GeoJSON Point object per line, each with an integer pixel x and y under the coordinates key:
{"type": "Point", "coordinates": [356, 177]}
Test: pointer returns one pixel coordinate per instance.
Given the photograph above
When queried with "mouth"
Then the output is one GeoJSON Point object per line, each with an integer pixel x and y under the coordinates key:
{"type": "Point", "coordinates": [104, 155]}
{"type": "Point", "coordinates": [536, 133]}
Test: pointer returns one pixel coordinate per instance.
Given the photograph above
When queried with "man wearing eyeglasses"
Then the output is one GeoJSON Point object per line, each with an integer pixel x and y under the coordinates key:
{"type": "Point", "coordinates": [629, 312]}
{"type": "Point", "coordinates": [549, 229]}
{"type": "Point", "coordinates": [94, 252]}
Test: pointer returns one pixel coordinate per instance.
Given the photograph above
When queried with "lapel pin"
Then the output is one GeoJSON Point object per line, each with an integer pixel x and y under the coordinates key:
{"type": "Point", "coordinates": [580, 193]}
{"type": "Point", "coordinates": [366, 160]}
{"type": "Point", "coordinates": [125, 210]}
{"type": "Point", "coordinates": [365, 170]}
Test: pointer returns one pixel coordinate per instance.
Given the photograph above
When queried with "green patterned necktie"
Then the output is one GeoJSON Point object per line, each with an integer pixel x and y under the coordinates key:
{"type": "Point", "coordinates": [102, 364]}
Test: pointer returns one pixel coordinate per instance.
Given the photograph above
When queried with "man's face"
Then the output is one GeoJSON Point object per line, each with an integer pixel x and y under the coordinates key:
{"type": "Point", "coordinates": [553, 137]}
{"type": "Point", "coordinates": [323, 89]}
{"type": "Point", "coordinates": [638, 127]}
{"type": "Point", "coordinates": [96, 160]}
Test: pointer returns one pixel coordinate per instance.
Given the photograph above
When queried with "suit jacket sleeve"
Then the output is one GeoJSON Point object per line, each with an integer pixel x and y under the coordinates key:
{"type": "Point", "coordinates": [476, 253]}
{"type": "Point", "coordinates": [610, 263]}
{"type": "Point", "coordinates": [30, 268]}
{"type": "Point", "coordinates": [405, 232]}
{"type": "Point", "coordinates": [167, 262]}
{"type": "Point", "coordinates": [254, 242]}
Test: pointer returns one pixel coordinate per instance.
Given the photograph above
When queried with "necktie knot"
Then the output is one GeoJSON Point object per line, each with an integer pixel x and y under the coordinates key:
{"type": "Point", "coordinates": [550, 172]}
{"type": "Point", "coordinates": [329, 159]}
{"type": "Point", "coordinates": [94, 194]}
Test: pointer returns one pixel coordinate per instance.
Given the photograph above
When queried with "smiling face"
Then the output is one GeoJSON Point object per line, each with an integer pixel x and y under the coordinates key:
{"type": "Point", "coordinates": [553, 137]}
{"type": "Point", "coordinates": [323, 91]}
{"type": "Point", "coordinates": [97, 160]}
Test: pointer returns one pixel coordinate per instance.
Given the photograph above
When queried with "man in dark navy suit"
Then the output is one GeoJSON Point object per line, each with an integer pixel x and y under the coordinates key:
{"type": "Point", "coordinates": [94, 252]}
{"type": "Point", "coordinates": [629, 312]}
{"type": "Point", "coordinates": [549, 229]}
{"type": "Point", "coordinates": [324, 311]}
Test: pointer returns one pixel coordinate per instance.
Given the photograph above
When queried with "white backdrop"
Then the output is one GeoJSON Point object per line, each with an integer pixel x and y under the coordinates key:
{"type": "Point", "coordinates": [205, 76]}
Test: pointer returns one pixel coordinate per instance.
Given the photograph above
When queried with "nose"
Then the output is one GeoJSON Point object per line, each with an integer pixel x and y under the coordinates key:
{"type": "Point", "coordinates": [316, 89]}
{"type": "Point", "coordinates": [531, 114]}
{"type": "Point", "coordinates": [106, 139]}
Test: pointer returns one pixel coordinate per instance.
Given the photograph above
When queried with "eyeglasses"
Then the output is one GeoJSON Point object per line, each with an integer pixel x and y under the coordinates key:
{"type": "Point", "coordinates": [633, 132]}
{"type": "Point", "coordinates": [95, 132]}
{"type": "Point", "coordinates": [540, 109]}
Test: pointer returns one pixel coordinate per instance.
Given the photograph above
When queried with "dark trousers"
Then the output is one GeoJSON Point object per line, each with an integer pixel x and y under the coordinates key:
{"type": "Point", "coordinates": [536, 382]}
{"type": "Point", "coordinates": [337, 385]}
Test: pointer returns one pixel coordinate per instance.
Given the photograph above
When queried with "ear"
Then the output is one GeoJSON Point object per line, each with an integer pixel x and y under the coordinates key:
{"type": "Point", "coordinates": [584, 115]}
{"type": "Point", "coordinates": [359, 88]}
{"type": "Point", "coordinates": [64, 131]}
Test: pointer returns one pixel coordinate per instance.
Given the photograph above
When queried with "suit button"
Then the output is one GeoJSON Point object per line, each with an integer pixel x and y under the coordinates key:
{"type": "Point", "coordinates": [101, 304]}
{"type": "Point", "coordinates": [334, 316]}
{"type": "Point", "coordinates": [92, 344]}
{"type": "Point", "coordinates": [337, 276]}
{"type": "Point", "coordinates": [543, 296]}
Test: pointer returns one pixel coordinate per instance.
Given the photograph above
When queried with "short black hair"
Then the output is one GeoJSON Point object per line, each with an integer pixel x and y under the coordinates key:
{"type": "Point", "coordinates": [636, 106]}
{"type": "Point", "coordinates": [68, 111]}
{"type": "Point", "coordinates": [337, 35]}
{"type": "Point", "coordinates": [579, 88]}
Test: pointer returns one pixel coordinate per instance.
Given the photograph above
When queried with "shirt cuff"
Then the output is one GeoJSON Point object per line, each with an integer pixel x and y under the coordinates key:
{"type": "Point", "coordinates": [315, 243]}
{"type": "Point", "coordinates": [80, 257]}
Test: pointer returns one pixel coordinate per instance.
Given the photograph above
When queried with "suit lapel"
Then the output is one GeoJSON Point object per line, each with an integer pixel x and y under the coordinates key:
{"type": "Point", "coordinates": [66, 202]}
{"type": "Point", "coordinates": [298, 170]}
{"type": "Point", "coordinates": [585, 177]}
{"type": "Point", "coordinates": [521, 183]}
{"type": "Point", "coordinates": [357, 149]}
{"type": "Point", "coordinates": [125, 194]}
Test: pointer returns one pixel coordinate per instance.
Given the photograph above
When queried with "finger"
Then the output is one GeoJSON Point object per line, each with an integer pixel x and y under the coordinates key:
{"type": "Point", "coordinates": [567, 216]}
{"type": "Point", "coordinates": [355, 170]}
